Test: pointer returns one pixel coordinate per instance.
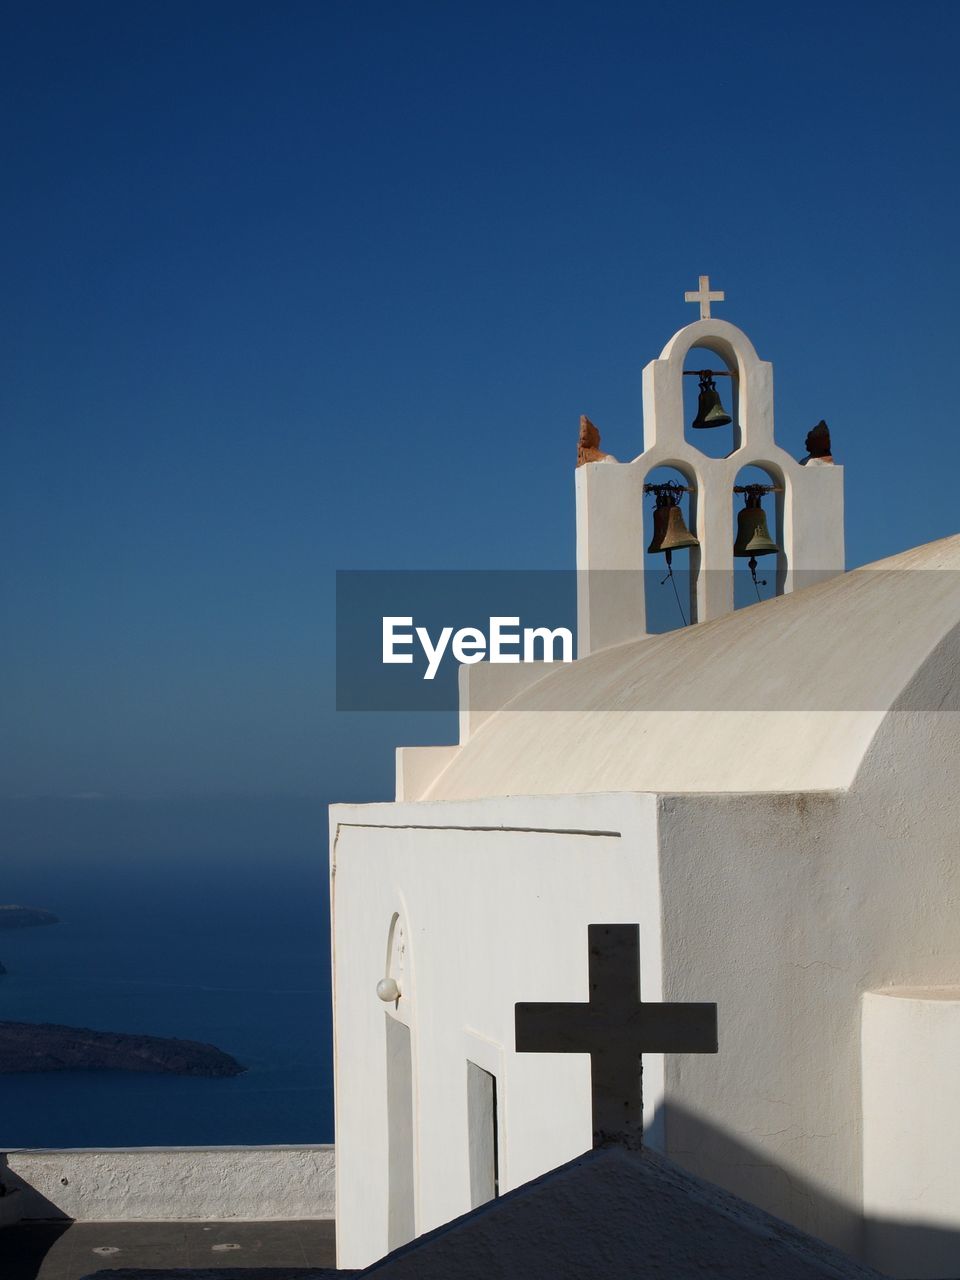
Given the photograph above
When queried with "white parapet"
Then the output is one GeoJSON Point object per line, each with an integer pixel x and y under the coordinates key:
{"type": "Point", "coordinates": [156, 1184]}
{"type": "Point", "coordinates": [418, 768]}
{"type": "Point", "coordinates": [910, 1044]}
{"type": "Point", "coordinates": [484, 688]}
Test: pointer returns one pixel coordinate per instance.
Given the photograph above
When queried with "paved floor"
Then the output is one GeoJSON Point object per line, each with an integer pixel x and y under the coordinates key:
{"type": "Point", "coordinates": [70, 1250]}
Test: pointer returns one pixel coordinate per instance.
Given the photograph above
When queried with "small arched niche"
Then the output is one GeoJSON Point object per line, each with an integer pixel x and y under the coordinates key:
{"type": "Point", "coordinates": [670, 591]}
{"type": "Point", "coordinates": [395, 964]}
{"type": "Point", "coordinates": [771, 566]}
{"type": "Point", "coordinates": [705, 368]}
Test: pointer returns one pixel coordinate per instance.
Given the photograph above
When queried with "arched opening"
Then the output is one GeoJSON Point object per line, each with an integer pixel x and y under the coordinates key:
{"type": "Point", "coordinates": [671, 558]}
{"type": "Point", "coordinates": [395, 964]}
{"type": "Point", "coordinates": [711, 402]}
{"type": "Point", "coordinates": [759, 564]}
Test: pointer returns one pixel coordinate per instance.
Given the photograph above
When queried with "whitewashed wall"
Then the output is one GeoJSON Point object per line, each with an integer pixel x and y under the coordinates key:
{"type": "Point", "coordinates": [495, 898]}
{"type": "Point", "coordinates": [911, 1129]}
{"type": "Point", "coordinates": [784, 908]}
{"type": "Point", "coordinates": [798, 904]}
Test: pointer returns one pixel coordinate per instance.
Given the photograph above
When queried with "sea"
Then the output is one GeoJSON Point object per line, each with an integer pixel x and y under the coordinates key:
{"type": "Point", "coordinates": [229, 950]}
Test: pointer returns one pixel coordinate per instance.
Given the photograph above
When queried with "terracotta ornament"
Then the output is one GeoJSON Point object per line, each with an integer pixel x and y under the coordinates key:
{"type": "Point", "coordinates": [588, 448]}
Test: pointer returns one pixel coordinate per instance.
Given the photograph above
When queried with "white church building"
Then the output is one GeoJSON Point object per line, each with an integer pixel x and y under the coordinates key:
{"type": "Point", "coordinates": [771, 794]}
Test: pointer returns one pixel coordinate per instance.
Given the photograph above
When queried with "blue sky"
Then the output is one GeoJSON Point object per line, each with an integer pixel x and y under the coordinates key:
{"type": "Point", "coordinates": [289, 288]}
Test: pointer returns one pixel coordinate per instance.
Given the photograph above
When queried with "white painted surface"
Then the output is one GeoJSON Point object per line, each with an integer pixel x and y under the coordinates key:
{"type": "Point", "coordinates": [610, 500]}
{"type": "Point", "coordinates": [911, 1130]}
{"type": "Point", "coordinates": [782, 907]}
{"type": "Point", "coordinates": [485, 687]}
{"type": "Point", "coordinates": [418, 767]}
{"type": "Point", "coordinates": [797, 905]}
{"type": "Point", "coordinates": [491, 916]}
{"type": "Point", "coordinates": [179, 1184]}
{"type": "Point", "coordinates": [784, 696]}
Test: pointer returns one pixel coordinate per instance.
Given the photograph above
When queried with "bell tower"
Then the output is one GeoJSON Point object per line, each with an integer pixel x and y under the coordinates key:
{"type": "Point", "coordinates": [805, 499]}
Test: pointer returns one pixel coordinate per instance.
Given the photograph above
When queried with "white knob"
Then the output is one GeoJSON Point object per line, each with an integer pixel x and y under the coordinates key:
{"type": "Point", "coordinates": [388, 991]}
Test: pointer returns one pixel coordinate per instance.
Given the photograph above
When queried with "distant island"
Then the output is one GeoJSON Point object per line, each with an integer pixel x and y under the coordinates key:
{"type": "Point", "coordinates": [44, 1046]}
{"type": "Point", "coordinates": [16, 917]}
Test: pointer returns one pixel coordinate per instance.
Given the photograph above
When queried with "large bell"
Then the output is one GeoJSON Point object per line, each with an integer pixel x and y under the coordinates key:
{"type": "Point", "coordinates": [670, 533]}
{"type": "Point", "coordinates": [753, 536]}
{"type": "Point", "coordinates": [710, 412]}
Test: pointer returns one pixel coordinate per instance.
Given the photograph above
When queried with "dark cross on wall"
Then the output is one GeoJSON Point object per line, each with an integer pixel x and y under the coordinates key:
{"type": "Point", "coordinates": [615, 1027]}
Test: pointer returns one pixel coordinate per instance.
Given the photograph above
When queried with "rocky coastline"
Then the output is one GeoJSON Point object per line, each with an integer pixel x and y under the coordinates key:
{"type": "Point", "coordinates": [46, 1046]}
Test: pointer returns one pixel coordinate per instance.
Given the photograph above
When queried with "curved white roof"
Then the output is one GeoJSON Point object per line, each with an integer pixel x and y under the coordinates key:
{"type": "Point", "coordinates": [782, 696]}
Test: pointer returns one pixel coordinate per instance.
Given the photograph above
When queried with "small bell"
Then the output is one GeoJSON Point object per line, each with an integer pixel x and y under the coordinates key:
{"type": "Point", "coordinates": [670, 533]}
{"type": "Point", "coordinates": [753, 536]}
{"type": "Point", "coordinates": [710, 412]}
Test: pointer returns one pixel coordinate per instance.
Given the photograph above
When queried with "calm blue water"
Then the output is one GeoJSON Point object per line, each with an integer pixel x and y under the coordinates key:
{"type": "Point", "coordinates": [231, 951]}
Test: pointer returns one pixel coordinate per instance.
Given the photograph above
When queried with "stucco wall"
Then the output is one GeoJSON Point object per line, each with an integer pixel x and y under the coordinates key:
{"type": "Point", "coordinates": [911, 1047]}
{"type": "Point", "coordinates": [758, 897]}
{"type": "Point", "coordinates": [783, 907]}
{"type": "Point", "coordinates": [796, 905]}
{"type": "Point", "coordinates": [158, 1184]}
{"type": "Point", "coordinates": [495, 898]}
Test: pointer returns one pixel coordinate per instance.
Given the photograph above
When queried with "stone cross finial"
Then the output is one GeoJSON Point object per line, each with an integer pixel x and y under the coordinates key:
{"type": "Point", "coordinates": [704, 297]}
{"type": "Point", "coordinates": [615, 1027]}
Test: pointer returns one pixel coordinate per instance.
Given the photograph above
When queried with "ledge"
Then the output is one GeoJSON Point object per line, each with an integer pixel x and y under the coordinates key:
{"type": "Point", "coordinates": [155, 1184]}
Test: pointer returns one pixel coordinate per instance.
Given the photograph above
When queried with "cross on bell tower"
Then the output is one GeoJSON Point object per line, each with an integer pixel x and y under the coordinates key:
{"type": "Point", "coordinates": [615, 1027]}
{"type": "Point", "coordinates": [704, 297]}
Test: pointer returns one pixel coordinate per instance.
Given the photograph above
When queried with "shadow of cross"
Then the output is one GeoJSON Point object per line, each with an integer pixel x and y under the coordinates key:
{"type": "Point", "coordinates": [615, 1027]}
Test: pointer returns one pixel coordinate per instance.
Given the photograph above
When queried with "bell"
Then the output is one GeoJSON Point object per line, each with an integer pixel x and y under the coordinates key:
{"type": "Point", "coordinates": [753, 536]}
{"type": "Point", "coordinates": [669, 531]}
{"type": "Point", "coordinates": [710, 412]}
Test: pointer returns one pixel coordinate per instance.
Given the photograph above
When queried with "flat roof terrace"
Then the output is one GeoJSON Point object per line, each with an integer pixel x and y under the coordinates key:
{"type": "Point", "coordinates": [72, 1250]}
{"type": "Point", "coordinates": [230, 1211]}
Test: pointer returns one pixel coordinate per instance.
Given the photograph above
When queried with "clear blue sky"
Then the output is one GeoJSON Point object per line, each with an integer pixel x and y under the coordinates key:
{"type": "Point", "coordinates": [294, 287]}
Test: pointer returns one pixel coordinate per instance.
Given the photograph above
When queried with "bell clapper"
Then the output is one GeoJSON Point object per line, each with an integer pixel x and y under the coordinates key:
{"type": "Point", "coordinates": [757, 582]}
